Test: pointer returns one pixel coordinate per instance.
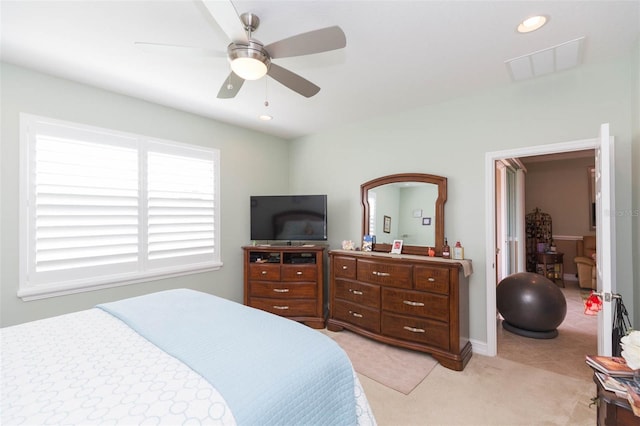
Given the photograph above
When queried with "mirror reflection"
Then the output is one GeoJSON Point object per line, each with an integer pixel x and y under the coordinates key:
{"type": "Point", "coordinates": [407, 207]}
{"type": "Point", "coordinates": [403, 211]}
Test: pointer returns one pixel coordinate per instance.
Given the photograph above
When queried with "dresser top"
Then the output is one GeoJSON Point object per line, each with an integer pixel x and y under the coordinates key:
{"type": "Point", "coordinates": [466, 264]}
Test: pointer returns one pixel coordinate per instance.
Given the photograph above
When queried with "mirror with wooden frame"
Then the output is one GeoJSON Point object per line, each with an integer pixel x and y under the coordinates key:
{"type": "Point", "coordinates": [407, 207]}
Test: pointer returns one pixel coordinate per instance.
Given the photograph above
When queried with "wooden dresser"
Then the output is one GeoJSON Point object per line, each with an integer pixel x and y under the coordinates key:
{"type": "Point", "coordinates": [414, 302]}
{"type": "Point", "coordinates": [287, 281]}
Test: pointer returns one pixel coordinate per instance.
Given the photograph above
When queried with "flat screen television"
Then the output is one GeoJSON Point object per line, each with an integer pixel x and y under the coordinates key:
{"type": "Point", "coordinates": [289, 217]}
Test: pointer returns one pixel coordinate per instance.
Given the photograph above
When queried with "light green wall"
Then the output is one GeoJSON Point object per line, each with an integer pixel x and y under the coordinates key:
{"type": "Point", "coordinates": [410, 229]}
{"type": "Point", "coordinates": [451, 139]}
{"type": "Point", "coordinates": [387, 204]}
{"type": "Point", "coordinates": [246, 157]}
{"type": "Point", "coordinates": [448, 139]}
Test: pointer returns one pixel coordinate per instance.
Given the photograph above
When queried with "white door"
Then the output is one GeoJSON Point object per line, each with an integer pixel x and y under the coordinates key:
{"type": "Point", "coordinates": [605, 236]}
{"type": "Point", "coordinates": [501, 221]}
{"type": "Point", "coordinates": [510, 227]}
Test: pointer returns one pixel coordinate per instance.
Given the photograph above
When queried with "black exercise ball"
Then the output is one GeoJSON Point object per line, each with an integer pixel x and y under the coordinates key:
{"type": "Point", "coordinates": [531, 305]}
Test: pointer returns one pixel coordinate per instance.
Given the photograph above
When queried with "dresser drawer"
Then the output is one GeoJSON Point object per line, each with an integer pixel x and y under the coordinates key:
{"type": "Point", "coordinates": [299, 273]}
{"type": "Point", "coordinates": [358, 315]}
{"type": "Point", "coordinates": [344, 267]}
{"type": "Point", "coordinates": [390, 274]}
{"type": "Point", "coordinates": [431, 278]}
{"type": "Point", "coordinates": [360, 293]}
{"type": "Point", "coordinates": [285, 307]}
{"type": "Point", "coordinates": [420, 330]}
{"type": "Point", "coordinates": [282, 290]}
{"type": "Point", "coordinates": [264, 272]}
{"type": "Point", "coordinates": [408, 302]}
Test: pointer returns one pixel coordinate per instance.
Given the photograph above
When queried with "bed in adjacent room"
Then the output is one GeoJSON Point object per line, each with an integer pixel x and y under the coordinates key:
{"type": "Point", "coordinates": [176, 357]}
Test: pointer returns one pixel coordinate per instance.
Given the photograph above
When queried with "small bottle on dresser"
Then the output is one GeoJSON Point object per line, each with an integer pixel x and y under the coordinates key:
{"type": "Point", "coordinates": [446, 250]}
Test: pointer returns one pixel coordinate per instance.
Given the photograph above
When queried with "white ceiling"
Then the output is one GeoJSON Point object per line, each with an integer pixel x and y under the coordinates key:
{"type": "Point", "coordinates": [399, 54]}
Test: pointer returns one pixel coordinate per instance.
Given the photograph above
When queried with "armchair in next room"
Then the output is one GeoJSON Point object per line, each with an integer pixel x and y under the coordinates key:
{"type": "Point", "coordinates": [586, 262]}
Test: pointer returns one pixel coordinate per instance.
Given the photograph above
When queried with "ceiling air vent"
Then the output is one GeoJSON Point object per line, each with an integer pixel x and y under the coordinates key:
{"type": "Point", "coordinates": [556, 58]}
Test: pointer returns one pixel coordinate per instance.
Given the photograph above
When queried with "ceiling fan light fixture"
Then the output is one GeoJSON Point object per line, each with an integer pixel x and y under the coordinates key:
{"type": "Point", "coordinates": [532, 23]}
{"type": "Point", "coordinates": [249, 61]}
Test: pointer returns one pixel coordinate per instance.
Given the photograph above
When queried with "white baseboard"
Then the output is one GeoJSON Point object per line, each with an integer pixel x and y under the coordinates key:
{"type": "Point", "coordinates": [478, 347]}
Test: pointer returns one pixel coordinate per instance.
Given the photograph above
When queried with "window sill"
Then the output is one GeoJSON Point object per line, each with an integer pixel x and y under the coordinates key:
{"type": "Point", "coordinates": [45, 291]}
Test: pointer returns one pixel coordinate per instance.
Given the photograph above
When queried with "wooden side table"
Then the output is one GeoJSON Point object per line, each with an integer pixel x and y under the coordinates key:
{"type": "Point", "coordinates": [612, 409]}
{"type": "Point", "coordinates": [550, 265]}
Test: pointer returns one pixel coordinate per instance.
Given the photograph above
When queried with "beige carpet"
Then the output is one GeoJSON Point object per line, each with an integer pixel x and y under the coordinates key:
{"type": "Point", "coordinates": [396, 368]}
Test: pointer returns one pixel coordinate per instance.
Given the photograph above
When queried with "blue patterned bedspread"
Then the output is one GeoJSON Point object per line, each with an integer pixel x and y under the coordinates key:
{"type": "Point", "coordinates": [271, 371]}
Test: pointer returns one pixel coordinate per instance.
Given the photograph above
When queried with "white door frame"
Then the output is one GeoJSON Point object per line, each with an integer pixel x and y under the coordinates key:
{"type": "Point", "coordinates": [605, 236]}
{"type": "Point", "coordinates": [490, 215]}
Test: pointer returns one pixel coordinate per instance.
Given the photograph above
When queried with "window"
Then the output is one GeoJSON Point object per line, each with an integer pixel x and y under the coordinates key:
{"type": "Point", "coordinates": [101, 208]}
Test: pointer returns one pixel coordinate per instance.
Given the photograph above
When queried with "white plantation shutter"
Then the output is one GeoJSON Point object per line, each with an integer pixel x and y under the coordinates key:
{"type": "Point", "coordinates": [181, 205]}
{"type": "Point", "coordinates": [86, 205]}
{"type": "Point", "coordinates": [102, 208]}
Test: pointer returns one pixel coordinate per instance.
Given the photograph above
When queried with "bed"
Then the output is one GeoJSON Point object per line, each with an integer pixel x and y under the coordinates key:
{"type": "Point", "coordinates": [176, 357]}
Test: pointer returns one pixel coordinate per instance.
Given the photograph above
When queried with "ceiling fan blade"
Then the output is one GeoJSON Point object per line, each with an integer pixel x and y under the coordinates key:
{"type": "Point", "coordinates": [226, 16]}
{"type": "Point", "coordinates": [177, 50]}
{"type": "Point", "coordinates": [317, 41]}
{"type": "Point", "coordinates": [293, 81]}
{"type": "Point", "coordinates": [230, 87]}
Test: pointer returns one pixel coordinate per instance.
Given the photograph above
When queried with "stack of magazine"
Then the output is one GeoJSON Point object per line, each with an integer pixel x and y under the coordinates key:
{"type": "Point", "coordinates": [615, 376]}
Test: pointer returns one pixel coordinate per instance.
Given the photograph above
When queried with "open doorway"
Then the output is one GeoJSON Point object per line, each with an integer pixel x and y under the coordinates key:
{"type": "Point", "coordinates": [555, 186]}
{"type": "Point", "coordinates": [605, 190]}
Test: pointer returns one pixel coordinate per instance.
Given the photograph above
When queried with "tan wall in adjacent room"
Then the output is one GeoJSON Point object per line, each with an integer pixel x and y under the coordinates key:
{"type": "Point", "coordinates": [560, 187]}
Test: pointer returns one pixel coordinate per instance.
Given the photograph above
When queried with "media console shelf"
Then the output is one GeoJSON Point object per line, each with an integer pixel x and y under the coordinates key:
{"type": "Point", "coordinates": [415, 302]}
{"type": "Point", "coordinates": [287, 281]}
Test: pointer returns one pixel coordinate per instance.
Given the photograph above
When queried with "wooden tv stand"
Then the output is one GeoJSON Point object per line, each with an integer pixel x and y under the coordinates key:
{"type": "Point", "coordinates": [415, 302]}
{"type": "Point", "coordinates": [287, 281]}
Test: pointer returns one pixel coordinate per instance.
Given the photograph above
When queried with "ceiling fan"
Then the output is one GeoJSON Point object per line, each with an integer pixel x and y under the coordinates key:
{"type": "Point", "coordinates": [251, 60]}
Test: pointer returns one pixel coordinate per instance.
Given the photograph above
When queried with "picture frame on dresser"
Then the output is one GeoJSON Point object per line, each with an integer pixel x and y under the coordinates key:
{"type": "Point", "coordinates": [396, 247]}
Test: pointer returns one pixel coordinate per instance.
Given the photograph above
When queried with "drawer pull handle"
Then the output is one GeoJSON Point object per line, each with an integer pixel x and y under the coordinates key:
{"type": "Point", "coordinates": [282, 308]}
{"type": "Point", "coordinates": [344, 267]}
{"type": "Point", "coordinates": [356, 292]}
{"type": "Point", "coordinates": [431, 279]}
{"type": "Point", "coordinates": [410, 303]}
{"type": "Point", "coordinates": [299, 273]}
{"type": "Point", "coordinates": [281, 290]}
{"type": "Point", "coordinates": [264, 272]}
{"type": "Point", "coordinates": [355, 314]}
{"type": "Point", "coordinates": [414, 330]}
{"type": "Point", "coordinates": [381, 274]}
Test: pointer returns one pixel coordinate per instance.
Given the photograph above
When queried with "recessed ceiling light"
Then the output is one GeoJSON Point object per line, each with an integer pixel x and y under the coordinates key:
{"type": "Point", "coordinates": [265, 117]}
{"type": "Point", "coordinates": [531, 24]}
